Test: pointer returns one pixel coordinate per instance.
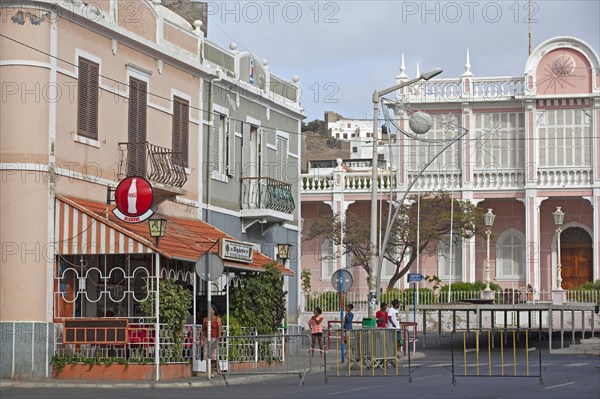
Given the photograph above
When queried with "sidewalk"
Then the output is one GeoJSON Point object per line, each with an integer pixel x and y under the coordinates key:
{"type": "Point", "coordinates": [191, 382]}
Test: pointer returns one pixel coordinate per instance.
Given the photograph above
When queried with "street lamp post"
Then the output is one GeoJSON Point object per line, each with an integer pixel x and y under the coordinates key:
{"type": "Point", "coordinates": [559, 296]}
{"type": "Point", "coordinates": [374, 185]}
{"type": "Point", "coordinates": [487, 293]}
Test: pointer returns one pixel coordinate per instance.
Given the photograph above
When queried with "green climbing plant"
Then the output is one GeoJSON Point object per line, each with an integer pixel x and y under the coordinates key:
{"type": "Point", "coordinates": [259, 301]}
{"type": "Point", "coordinates": [173, 307]}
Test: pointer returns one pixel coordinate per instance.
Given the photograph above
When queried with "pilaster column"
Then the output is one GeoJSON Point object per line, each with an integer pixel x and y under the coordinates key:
{"type": "Point", "coordinates": [532, 240]}
{"type": "Point", "coordinates": [469, 260]}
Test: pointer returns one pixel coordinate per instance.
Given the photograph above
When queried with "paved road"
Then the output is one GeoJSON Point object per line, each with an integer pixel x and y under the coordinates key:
{"type": "Point", "coordinates": [575, 376]}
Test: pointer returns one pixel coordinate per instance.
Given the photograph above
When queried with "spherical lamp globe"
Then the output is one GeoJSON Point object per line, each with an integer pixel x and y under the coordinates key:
{"type": "Point", "coordinates": [420, 122]}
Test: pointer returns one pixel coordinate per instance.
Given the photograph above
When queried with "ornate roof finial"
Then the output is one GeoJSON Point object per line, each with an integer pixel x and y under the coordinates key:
{"type": "Point", "coordinates": [402, 69]}
{"type": "Point", "coordinates": [468, 65]}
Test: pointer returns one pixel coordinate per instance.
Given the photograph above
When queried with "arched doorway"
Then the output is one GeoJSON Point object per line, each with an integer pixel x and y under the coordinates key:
{"type": "Point", "coordinates": [576, 257]}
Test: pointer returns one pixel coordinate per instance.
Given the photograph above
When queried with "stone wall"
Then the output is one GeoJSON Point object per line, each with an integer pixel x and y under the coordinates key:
{"type": "Point", "coordinates": [190, 10]}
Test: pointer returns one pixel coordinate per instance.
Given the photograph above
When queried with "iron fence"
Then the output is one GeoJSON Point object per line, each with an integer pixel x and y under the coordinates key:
{"type": "Point", "coordinates": [266, 354]}
{"type": "Point", "coordinates": [329, 301]}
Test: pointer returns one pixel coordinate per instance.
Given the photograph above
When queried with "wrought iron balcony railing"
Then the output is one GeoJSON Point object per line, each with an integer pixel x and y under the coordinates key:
{"type": "Point", "coordinates": [267, 193]}
{"type": "Point", "coordinates": [159, 164]}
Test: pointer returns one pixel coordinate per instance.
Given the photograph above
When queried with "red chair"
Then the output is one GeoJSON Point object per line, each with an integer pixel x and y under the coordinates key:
{"type": "Point", "coordinates": [135, 338]}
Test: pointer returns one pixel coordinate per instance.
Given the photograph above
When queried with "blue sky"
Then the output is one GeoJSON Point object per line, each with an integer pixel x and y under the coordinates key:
{"type": "Point", "coordinates": [343, 50]}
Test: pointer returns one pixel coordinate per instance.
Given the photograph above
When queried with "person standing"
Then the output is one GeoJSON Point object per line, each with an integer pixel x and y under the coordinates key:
{"type": "Point", "coordinates": [316, 330]}
{"type": "Point", "coordinates": [382, 315]}
{"type": "Point", "coordinates": [349, 317]}
{"type": "Point", "coordinates": [216, 330]}
{"type": "Point", "coordinates": [393, 321]}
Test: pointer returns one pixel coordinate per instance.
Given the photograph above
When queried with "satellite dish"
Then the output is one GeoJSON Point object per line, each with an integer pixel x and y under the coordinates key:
{"type": "Point", "coordinates": [209, 267]}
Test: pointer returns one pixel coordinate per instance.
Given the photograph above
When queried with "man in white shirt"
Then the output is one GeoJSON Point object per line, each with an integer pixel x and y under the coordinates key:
{"type": "Point", "coordinates": [394, 321]}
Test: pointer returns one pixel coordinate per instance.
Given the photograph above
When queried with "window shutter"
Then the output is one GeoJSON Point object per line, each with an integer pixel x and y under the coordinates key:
{"type": "Point", "coordinates": [93, 100]}
{"type": "Point", "coordinates": [282, 150]}
{"type": "Point", "coordinates": [87, 107]}
{"type": "Point", "coordinates": [185, 132]}
{"type": "Point", "coordinates": [230, 147]}
{"type": "Point", "coordinates": [181, 130]}
{"type": "Point", "coordinates": [215, 139]}
{"type": "Point", "coordinates": [246, 153]}
{"type": "Point", "coordinates": [262, 155]}
{"type": "Point", "coordinates": [137, 127]}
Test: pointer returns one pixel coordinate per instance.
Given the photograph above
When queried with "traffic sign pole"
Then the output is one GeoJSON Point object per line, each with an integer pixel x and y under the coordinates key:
{"type": "Point", "coordinates": [341, 292]}
{"type": "Point", "coordinates": [415, 302]}
{"type": "Point", "coordinates": [415, 279]}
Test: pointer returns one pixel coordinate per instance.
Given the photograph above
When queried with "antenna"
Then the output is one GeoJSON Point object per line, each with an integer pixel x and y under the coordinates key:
{"type": "Point", "coordinates": [529, 24]}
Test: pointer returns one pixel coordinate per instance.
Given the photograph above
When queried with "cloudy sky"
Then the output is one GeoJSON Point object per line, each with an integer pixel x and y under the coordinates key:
{"type": "Point", "coordinates": [343, 50]}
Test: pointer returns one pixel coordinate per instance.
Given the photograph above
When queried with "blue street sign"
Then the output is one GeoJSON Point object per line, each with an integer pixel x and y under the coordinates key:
{"type": "Point", "coordinates": [415, 277]}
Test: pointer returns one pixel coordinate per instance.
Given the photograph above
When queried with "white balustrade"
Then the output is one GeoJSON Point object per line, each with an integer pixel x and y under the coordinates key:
{"type": "Point", "coordinates": [449, 90]}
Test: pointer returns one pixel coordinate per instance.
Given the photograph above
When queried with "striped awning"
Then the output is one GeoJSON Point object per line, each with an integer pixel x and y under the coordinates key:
{"type": "Point", "coordinates": [79, 231]}
{"type": "Point", "coordinates": [85, 227]}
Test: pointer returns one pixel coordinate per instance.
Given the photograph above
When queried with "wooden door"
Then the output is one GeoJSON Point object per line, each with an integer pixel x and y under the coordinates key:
{"type": "Point", "coordinates": [576, 266]}
{"type": "Point", "coordinates": [576, 257]}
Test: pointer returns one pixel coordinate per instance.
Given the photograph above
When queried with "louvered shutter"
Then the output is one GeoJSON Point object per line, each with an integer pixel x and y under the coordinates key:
{"type": "Point", "coordinates": [246, 151]}
{"type": "Point", "coordinates": [180, 130]}
{"type": "Point", "coordinates": [262, 154]}
{"type": "Point", "coordinates": [137, 127]}
{"type": "Point", "coordinates": [230, 147]}
{"type": "Point", "coordinates": [215, 139]}
{"type": "Point", "coordinates": [176, 130]}
{"type": "Point", "coordinates": [185, 132]}
{"type": "Point", "coordinates": [87, 107]}
{"type": "Point", "coordinates": [280, 167]}
{"type": "Point", "coordinates": [93, 100]}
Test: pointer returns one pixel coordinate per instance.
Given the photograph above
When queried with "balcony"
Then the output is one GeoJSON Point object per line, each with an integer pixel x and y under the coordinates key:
{"type": "Point", "coordinates": [163, 167]}
{"type": "Point", "coordinates": [266, 201]}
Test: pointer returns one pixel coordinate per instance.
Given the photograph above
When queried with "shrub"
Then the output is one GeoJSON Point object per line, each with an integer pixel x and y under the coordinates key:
{"type": "Point", "coordinates": [589, 286]}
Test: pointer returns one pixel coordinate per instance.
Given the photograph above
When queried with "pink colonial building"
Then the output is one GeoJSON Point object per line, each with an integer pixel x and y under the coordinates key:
{"type": "Point", "coordinates": [531, 145]}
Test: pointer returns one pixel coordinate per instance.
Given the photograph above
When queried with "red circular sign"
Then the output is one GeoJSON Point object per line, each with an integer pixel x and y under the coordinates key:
{"type": "Point", "coordinates": [134, 197]}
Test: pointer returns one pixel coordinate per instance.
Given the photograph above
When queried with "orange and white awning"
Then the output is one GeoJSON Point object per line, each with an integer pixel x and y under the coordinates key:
{"type": "Point", "coordinates": [79, 231]}
{"type": "Point", "coordinates": [85, 227]}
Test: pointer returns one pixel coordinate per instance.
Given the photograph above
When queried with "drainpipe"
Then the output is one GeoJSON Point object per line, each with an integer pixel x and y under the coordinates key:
{"type": "Point", "coordinates": [52, 121]}
{"type": "Point", "coordinates": [211, 116]}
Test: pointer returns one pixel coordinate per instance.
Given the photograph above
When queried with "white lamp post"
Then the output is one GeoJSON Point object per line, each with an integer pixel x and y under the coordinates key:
{"type": "Point", "coordinates": [487, 293]}
{"type": "Point", "coordinates": [374, 164]}
{"type": "Point", "coordinates": [559, 296]}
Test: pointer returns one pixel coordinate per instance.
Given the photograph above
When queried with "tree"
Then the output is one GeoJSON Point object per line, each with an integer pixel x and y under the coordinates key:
{"type": "Point", "coordinates": [433, 227]}
{"type": "Point", "coordinates": [259, 301]}
{"type": "Point", "coordinates": [402, 248]}
{"type": "Point", "coordinates": [314, 126]}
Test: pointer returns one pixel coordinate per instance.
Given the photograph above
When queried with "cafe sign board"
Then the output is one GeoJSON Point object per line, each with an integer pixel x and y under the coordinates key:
{"type": "Point", "coordinates": [235, 250]}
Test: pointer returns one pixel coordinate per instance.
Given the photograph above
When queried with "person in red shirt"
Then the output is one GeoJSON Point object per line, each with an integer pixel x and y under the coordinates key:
{"type": "Point", "coordinates": [381, 316]}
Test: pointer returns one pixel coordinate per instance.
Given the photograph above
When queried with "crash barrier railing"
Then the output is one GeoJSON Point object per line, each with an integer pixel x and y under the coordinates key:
{"type": "Point", "coordinates": [480, 357]}
{"type": "Point", "coordinates": [371, 352]}
{"type": "Point", "coordinates": [266, 354]}
{"type": "Point", "coordinates": [334, 330]}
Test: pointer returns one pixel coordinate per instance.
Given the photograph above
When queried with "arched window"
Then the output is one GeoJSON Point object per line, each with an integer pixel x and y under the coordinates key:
{"type": "Point", "coordinates": [327, 259]}
{"type": "Point", "coordinates": [510, 255]}
{"type": "Point", "coordinates": [450, 268]}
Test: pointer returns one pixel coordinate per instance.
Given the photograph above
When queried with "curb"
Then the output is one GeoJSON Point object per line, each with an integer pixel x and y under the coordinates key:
{"type": "Point", "coordinates": [201, 382]}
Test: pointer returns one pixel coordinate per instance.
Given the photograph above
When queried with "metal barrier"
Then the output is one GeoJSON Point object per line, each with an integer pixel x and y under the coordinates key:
{"type": "Point", "coordinates": [374, 352]}
{"type": "Point", "coordinates": [266, 354]}
{"type": "Point", "coordinates": [497, 357]}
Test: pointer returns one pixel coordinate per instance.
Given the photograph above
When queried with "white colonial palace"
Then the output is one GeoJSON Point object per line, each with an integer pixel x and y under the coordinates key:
{"type": "Point", "coordinates": [531, 145]}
